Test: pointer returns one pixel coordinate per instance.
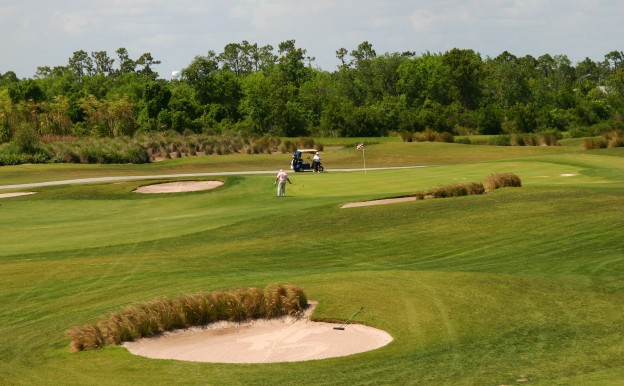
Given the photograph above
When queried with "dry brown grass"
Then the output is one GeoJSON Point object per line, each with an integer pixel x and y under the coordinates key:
{"type": "Point", "coordinates": [453, 190]}
{"type": "Point", "coordinates": [501, 180]}
{"type": "Point", "coordinates": [160, 315]}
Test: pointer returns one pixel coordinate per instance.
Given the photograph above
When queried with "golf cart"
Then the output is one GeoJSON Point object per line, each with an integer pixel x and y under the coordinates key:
{"type": "Point", "coordinates": [299, 165]}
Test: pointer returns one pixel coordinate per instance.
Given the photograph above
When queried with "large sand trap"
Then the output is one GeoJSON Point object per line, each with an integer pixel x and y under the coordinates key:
{"type": "Point", "coordinates": [261, 341]}
{"type": "Point", "coordinates": [16, 194]}
{"type": "Point", "coordinates": [179, 186]}
{"type": "Point", "coordinates": [379, 202]}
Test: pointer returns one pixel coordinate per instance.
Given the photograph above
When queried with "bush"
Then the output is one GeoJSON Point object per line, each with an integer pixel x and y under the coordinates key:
{"type": "Point", "coordinates": [427, 135]}
{"type": "Point", "coordinates": [445, 137]}
{"type": "Point", "coordinates": [501, 180]}
{"type": "Point", "coordinates": [135, 154]}
{"type": "Point", "coordinates": [595, 143]}
{"type": "Point", "coordinates": [156, 316]}
{"type": "Point", "coordinates": [500, 140]}
{"type": "Point", "coordinates": [26, 138]}
{"type": "Point", "coordinates": [406, 136]}
{"type": "Point", "coordinates": [454, 190]}
{"type": "Point", "coordinates": [615, 138]}
{"type": "Point", "coordinates": [463, 140]}
{"type": "Point", "coordinates": [305, 142]}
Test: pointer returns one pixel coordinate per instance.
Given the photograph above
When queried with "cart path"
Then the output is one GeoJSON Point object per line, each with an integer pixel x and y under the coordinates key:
{"type": "Point", "coordinates": [161, 176]}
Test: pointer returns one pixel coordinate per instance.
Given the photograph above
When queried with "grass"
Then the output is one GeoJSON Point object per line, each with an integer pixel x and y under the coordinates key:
{"type": "Point", "coordinates": [481, 289]}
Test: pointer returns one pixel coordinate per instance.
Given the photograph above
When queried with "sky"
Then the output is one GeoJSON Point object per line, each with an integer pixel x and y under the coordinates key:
{"type": "Point", "coordinates": [38, 33]}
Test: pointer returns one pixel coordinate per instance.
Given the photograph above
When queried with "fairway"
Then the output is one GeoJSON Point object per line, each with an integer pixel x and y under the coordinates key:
{"type": "Point", "coordinates": [519, 285]}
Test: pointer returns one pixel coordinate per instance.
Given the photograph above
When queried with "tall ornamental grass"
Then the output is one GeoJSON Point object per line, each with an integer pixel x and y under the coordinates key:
{"type": "Point", "coordinates": [492, 182]}
{"type": "Point", "coordinates": [453, 190]}
{"type": "Point", "coordinates": [199, 309]}
{"type": "Point", "coordinates": [501, 180]}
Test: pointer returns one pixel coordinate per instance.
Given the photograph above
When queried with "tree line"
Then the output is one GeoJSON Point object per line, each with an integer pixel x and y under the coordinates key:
{"type": "Point", "coordinates": [259, 91]}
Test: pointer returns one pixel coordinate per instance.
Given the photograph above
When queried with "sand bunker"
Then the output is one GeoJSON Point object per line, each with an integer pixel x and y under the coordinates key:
{"type": "Point", "coordinates": [379, 202]}
{"type": "Point", "coordinates": [15, 194]}
{"type": "Point", "coordinates": [179, 186]}
{"type": "Point", "coordinates": [261, 341]}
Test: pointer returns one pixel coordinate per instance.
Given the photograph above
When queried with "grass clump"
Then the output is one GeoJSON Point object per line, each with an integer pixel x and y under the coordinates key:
{"type": "Point", "coordinates": [501, 180]}
{"type": "Point", "coordinates": [453, 190]}
{"type": "Point", "coordinates": [492, 182]}
{"type": "Point", "coordinates": [199, 309]}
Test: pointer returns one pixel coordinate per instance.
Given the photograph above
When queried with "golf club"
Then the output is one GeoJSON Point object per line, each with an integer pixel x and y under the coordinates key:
{"type": "Point", "coordinates": [342, 326]}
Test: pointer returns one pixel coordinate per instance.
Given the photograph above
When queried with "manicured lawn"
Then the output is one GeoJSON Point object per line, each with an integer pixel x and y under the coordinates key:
{"type": "Point", "coordinates": [519, 283]}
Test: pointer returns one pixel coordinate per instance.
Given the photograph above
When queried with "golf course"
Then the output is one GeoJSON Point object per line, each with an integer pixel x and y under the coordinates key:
{"type": "Point", "coordinates": [520, 285]}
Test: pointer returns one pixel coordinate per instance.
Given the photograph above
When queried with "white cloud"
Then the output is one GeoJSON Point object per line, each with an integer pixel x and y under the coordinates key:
{"type": "Point", "coordinates": [176, 31]}
{"type": "Point", "coordinates": [73, 23]}
{"type": "Point", "coordinates": [421, 19]}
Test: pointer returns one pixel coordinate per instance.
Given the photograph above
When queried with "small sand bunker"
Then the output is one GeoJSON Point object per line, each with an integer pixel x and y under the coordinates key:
{"type": "Point", "coordinates": [379, 202]}
{"type": "Point", "coordinates": [15, 194]}
{"type": "Point", "coordinates": [179, 186]}
{"type": "Point", "coordinates": [261, 341]}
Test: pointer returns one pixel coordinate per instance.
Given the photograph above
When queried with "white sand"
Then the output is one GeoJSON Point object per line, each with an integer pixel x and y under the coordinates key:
{"type": "Point", "coordinates": [179, 186]}
{"type": "Point", "coordinates": [379, 202]}
{"type": "Point", "coordinates": [261, 341]}
{"type": "Point", "coordinates": [16, 194]}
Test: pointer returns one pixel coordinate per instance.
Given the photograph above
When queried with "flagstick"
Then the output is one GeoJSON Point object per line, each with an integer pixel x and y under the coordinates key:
{"type": "Point", "coordinates": [364, 156]}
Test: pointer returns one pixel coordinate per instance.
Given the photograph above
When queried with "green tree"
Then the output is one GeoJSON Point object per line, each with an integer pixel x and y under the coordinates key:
{"type": "Point", "coordinates": [126, 65]}
{"type": "Point", "coordinates": [466, 73]}
{"type": "Point", "coordinates": [291, 63]}
{"type": "Point", "coordinates": [200, 76]}
{"type": "Point", "coordinates": [81, 64]}
{"type": "Point", "coordinates": [27, 90]}
{"type": "Point", "coordinates": [156, 96]}
{"type": "Point", "coordinates": [147, 61]}
{"type": "Point", "coordinates": [103, 64]}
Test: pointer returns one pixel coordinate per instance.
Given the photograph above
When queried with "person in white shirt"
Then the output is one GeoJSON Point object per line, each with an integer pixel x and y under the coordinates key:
{"type": "Point", "coordinates": [280, 181]}
{"type": "Point", "coordinates": [316, 162]}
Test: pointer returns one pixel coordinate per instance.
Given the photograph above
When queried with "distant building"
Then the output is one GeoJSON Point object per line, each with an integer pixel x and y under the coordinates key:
{"type": "Point", "coordinates": [176, 75]}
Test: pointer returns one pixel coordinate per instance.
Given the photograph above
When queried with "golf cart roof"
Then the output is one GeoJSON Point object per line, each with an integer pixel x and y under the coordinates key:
{"type": "Point", "coordinates": [307, 150]}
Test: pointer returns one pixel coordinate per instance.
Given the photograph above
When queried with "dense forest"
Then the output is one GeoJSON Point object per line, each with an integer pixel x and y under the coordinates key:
{"type": "Point", "coordinates": [255, 91]}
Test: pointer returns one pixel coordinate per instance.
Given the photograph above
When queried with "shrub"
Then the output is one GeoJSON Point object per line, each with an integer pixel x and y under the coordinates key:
{"type": "Point", "coordinates": [445, 137]}
{"type": "Point", "coordinates": [453, 190]}
{"type": "Point", "coordinates": [305, 142]}
{"type": "Point", "coordinates": [501, 180]}
{"type": "Point", "coordinates": [135, 154]}
{"type": "Point", "coordinates": [26, 138]}
{"type": "Point", "coordinates": [550, 138]}
{"type": "Point", "coordinates": [156, 316]}
{"type": "Point", "coordinates": [427, 135]}
{"type": "Point", "coordinates": [288, 147]}
{"type": "Point", "coordinates": [595, 143]}
{"type": "Point", "coordinates": [463, 140]}
{"type": "Point", "coordinates": [500, 140]}
{"type": "Point", "coordinates": [615, 138]}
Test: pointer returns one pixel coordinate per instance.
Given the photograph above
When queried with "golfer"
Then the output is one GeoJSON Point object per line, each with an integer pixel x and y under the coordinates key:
{"type": "Point", "coordinates": [316, 162]}
{"type": "Point", "coordinates": [280, 181]}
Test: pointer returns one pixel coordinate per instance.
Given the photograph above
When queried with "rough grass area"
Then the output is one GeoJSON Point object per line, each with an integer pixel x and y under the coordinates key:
{"type": "Point", "coordinates": [199, 309]}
